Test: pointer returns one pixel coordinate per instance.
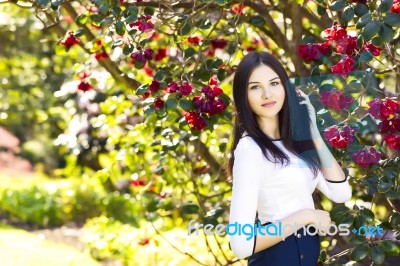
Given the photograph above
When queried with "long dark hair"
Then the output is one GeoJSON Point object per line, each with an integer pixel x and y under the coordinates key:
{"type": "Point", "coordinates": [294, 124]}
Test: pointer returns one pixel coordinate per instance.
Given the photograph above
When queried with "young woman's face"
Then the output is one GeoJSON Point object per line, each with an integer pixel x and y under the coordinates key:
{"type": "Point", "coordinates": [265, 92]}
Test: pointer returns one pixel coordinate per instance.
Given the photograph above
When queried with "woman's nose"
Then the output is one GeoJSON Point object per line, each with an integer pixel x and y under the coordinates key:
{"type": "Point", "coordinates": [266, 93]}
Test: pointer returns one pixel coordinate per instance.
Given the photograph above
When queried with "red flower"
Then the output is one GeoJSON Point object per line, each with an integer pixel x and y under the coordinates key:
{"type": "Point", "coordinates": [143, 24]}
{"type": "Point", "coordinates": [155, 85]}
{"type": "Point", "coordinates": [101, 55]}
{"type": "Point", "coordinates": [313, 51]}
{"type": "Point", "coordinates": [171, 87]}
{"type": "Point", "coordinates": [393, 141]}
{"type": "Point", "coordinates": [194, 39]}
{"type": "Point", "coordinates": [138, 56]}
{"type": "Point", "coordinates": [185, 89]}
{"type": "Point", "coordinates": [376, 51]}
{"type": "Point", "coordinates": [84, 74]}
{"type": "Point", "coordinates": [148, 53]}
{"type": "Point", "coordinates": [346, 45]}
{"type": "Point", "coordinates": [84, 86]}
{"type": "Point", "coordinates": [195, 120]}
{"type": "Point", "coordinates": [158, 103]}
{"type": "Point", "coordinates": [335, 33]}
{"type": "Point", "coordinates": [219, 43]}
{"type": "Point", "coordinates": [339, 138]}
{"type": "Point", "coordinates": [390, 126]}
{"type": "Point", "coordinates": [395, 7]}
{"type": "Point", "coordinates": [149, 71]}
{"type": "Point", "coordinates": [211, 93]}
{"type": "Point", "coordinates": [344, 67]}
{"type": "Point", "coordinates": [383, 109]}
{"type": "Point", "coordinates": [69, 40]}
{"type": "Point", "coordinates": [213, 81]}
{"type": "Point", "coordinates": [144, 241]}
{"type": "Point", "coordinates": [238, 8]}
{"type": "Point", "coordinates": [209, 52]}
{"type": "Point", "coordinates": [161, 53]}
{"type": "Point", "coordinates": [366, 156]}
{"type": "Point", "coordinates": [335, 99]}
{"type": "Point", "coordinates": [137, 183]}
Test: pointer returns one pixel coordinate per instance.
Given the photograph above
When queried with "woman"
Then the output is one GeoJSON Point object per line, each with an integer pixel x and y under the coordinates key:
{"type": "Point", "coordinates": [277, 160]}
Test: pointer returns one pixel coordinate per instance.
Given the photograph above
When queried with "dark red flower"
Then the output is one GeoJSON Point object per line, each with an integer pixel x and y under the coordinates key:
{"type": "Point", "coordinates": [213, 81]}
{"type": "Point", "coordinates": [390, 126]}
{"type": "Point", "coordinates": [161, 53]}
{"type": "Point", "coordinates": [185, 89]}
{"type": "Point", "coordinates": [219, 43]}
{"type": "Point", "coordinates": [138, 56]}
{"type": "Point", "coordinates": [376, 51]}
{"type": "Point", "coordinates": [383, 109]}
{"type": "Point", "coordinates": [138, 182]}
{"type": "Point", "coordinates": [171, 87]}
{"type": "Point", "coordinates": [84, 86]}
{"type": "Point", "coordinates": [69, 40]}
{"type": "Point", "coordinates": [101, 55]}
{"type": "Point", "coordinates": [143, 23]}
{"type": "Point", "coordinates": [335, 33]}
{"type": "Point", "coordinates": [366, 156]}
{"type": "Point", "coordinates": [155, 85]}
{"type": "Point", "coordinates": [194, 39]}
{"type": "Point", "coordinates": [313, 51]}
{"type": "Point", "coordinates": [336, 100]}
{"type": "Point", "coordinates": [148, 53]}
{"type": "Point", "coordinates": [339, 137]}
{"type": "Point", "coordinates": [158, 103]}
{"type": "Point", "coordinates": [344, 67]}
{"type": "Point", "coordinates": [144, 241]}
{"type": "Point", "coordinates": [346, 45]}
{"type": "Point", "coordinates": [196, 121]}
{"type": "Point", "coordinates": [393, 141]}
{"type": "Point", "coordinates": [211, 93]}
{"type": "Point", "coordinates": [395, 7]}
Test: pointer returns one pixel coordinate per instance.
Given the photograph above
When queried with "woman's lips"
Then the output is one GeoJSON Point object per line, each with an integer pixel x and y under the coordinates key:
{"type": "Point", "coordinates": [268, 104]}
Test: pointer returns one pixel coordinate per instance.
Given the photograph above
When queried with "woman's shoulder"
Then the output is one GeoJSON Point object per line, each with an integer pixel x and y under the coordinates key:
{"type": "Point", "coordinates": [247, 143]}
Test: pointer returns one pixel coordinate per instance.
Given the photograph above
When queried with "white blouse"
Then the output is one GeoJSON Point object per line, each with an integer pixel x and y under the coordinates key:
{"type": "Point", "coordinates": [274, 190]}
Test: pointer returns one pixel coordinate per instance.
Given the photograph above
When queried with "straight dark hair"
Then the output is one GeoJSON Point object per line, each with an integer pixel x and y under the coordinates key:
{"type": "Point", "coordinates": [294, 123]}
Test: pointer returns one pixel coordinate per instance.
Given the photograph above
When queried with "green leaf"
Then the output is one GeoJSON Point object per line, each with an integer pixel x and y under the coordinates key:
{"type": "Point", "coordinates": [348, 13]}
{"type": "Point", "coordinates": [338, 211]}
{"type": "Point", "coordinates": [257, 21]}
{"type": "Point", "coordinates": [142, 89]}
{"type": "Point", "coordinates": [377, 254]}
{"type": "Point", "coordinates": [361, 10]}
{"type": "Point", "coordinates": [389, 247]}
{"type": "Point", "coordinates": [394, 219]}
{"type": "Point", "coordinates": [386, 33]}
{"type": "Point", "coordinates": [104, 9]}
{"type": "Point", "coordinates": [204, 24]}
{"type": "Point", "coordinates": [377, 41]}
{"type": "Point", "coordinates": [131, 19]}
{"type": "Point", "coordinates": [220, 2]}
{"type": "Point", "coordinates": [149, 10]}
{"type": "Point", "coordinates": [357, 239]}
{"type": "Point", "coordinates": [81, 19]}
{"type": "Point", "coordinates": [392, 19]}
{"type": "Point", "coordinates": [128, 49]}
{"type": "Point", "coordinates": [366, 56]}
{"type": "Point", "coordinates": [364, 20]}
{"type": "Point", "coordinates": [337, 5]}
{"type": "Point", "coordinates": [96, 19]}
{"type": "Point", "coordinates": [185, 30]}
{"type": "Point", "coordinates": [359, 252]}
{"type": "Point", "coordinates": [159, 75]}
{"type": "Point", "coordinates": [384, 187]}
{"type": "Point", "coordinates": [190, 208]}
{"type": "Point", "coordinates": [321, 10]}
{"type": "Point", "coordinates": [385, 6]}
{"type": "Point", "coordinates": [189, 52]}
{"type": "Point", "coordinates": [106, 22]}
{"type": "Point", "coordinates": [120, 28]}
{"type": "Point", "coordinates": [371, 29]}
{"type": "Point", "coordinates": [186, 105]}
{"type": "Point", "coordinates": [367, 214]}
{"type": "Point", "coordinates": [171, 103]}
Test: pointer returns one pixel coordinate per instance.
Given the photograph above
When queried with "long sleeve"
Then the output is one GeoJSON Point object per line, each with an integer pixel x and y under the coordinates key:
{"type": "Point", "coordinates": [337, 191]}
{"type": "Point", "coordinates": [247, 175]}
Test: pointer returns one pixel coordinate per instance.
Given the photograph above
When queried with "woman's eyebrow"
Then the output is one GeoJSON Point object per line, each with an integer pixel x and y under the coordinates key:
{"type": "Point", "coordinates": [259, 82]}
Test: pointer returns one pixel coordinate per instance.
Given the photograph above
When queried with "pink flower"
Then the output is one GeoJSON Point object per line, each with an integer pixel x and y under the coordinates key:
{"type": "Point", "coordinates": [383, 109]}
{"type": "Point", "coordinates": [196, 120]}
{"type": "Point", "coordinates": [344, 67]}
{"type": "Point", "coordinates": [313, 51]}
{"type": "Point", "coordinates": [366, 156]}
{"type": "Point", "coordinates": [158, 103]}
{"type": "Point", "coordinates": [154, 86]}
{"type": "Point", "coordinates": [347, 45]}
{"type": "Point", "coordinates": [171, 87]}
{"type": "Point", "coordinates": [334, 33]}
{"type": "Point", "coordinates": [185, 89]}
{"type": "Point", "coordinates": [339, 138]}
{"type": "Point", "coordinates": [335, 99]}
{"type": "Point", "coordinates": [393, 141]}
{"type": "Point", "coordinates": [390, 126]}
{"type": "Point", "coordinates": [376, 51]}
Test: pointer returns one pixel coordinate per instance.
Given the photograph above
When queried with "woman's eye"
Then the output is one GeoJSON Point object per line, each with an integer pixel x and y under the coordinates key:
{"type": "Point", "coordinates": [274, 83]}
{"type": "Point", "coordinates": [254, 87]}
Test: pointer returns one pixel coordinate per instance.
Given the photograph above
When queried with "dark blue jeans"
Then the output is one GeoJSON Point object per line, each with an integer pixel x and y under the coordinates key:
{"type": "Point", "coordinates": [296, 250]}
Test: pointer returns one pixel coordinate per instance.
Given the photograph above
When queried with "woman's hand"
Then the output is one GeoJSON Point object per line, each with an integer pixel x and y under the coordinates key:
{"type": "Point", "coordinates": [321, 220]}
{"type": "Point", "coordinates": [310, 108]}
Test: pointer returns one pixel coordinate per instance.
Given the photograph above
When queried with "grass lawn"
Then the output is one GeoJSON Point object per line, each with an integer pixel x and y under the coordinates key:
{"type": "Point", "coordinates": [21, 248]}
